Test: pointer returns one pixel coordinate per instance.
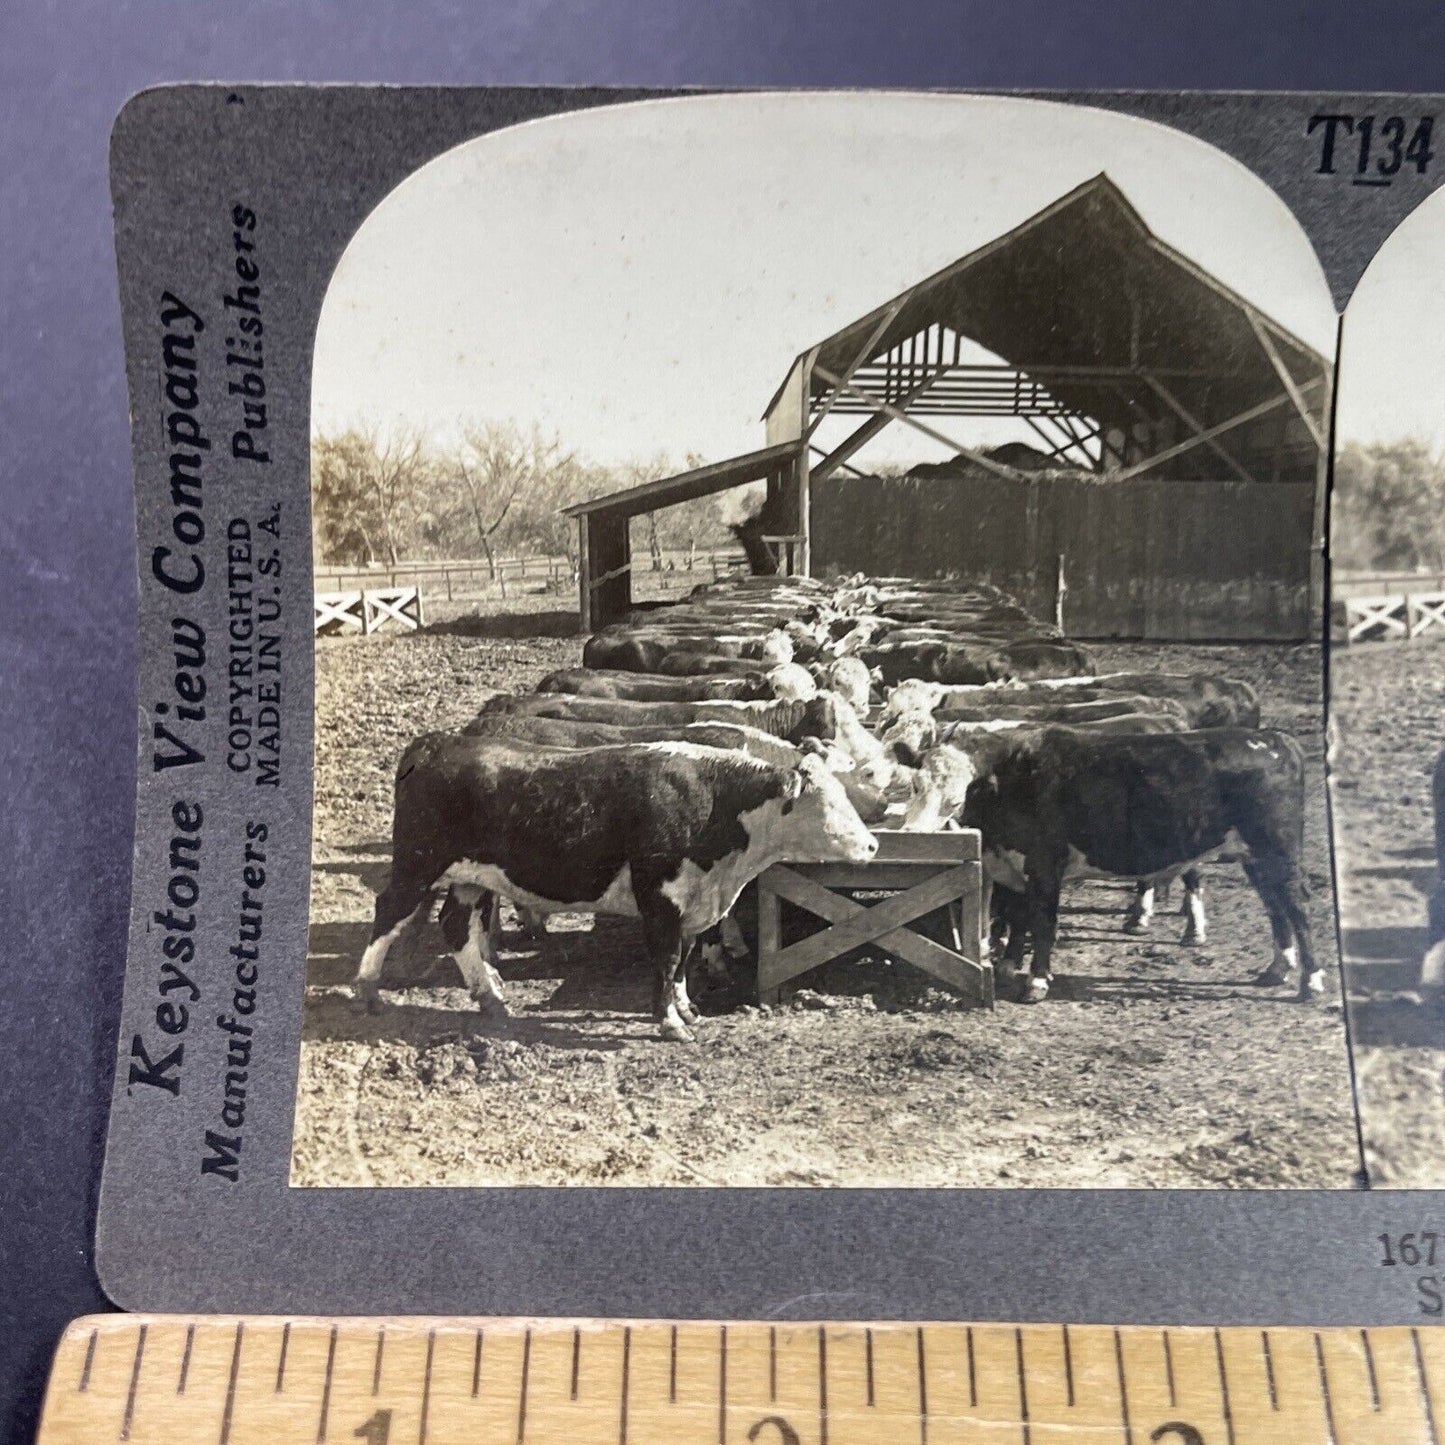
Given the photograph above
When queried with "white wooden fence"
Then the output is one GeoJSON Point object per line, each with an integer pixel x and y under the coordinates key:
{"type": "Point", "coordinates": [1381, 616]}
{"type": "Point", "coordinates": [368, 610]}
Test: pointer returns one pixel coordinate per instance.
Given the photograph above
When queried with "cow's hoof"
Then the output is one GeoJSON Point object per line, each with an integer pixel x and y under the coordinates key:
{"type": "Point", "coordinates": [365, 998]}
{"type": "Point", "coordinates": [1134, 923]}
{"type": "Point", "coordinates": [674, 1032]}
{"type": "Point", "coordinates": [1035, 990]}
{"type": "Point", "coordinates": [1272, 977]}
{"type": "Point", "coordinates": [1192, 936]}
{"type": "Point", "coordinates": [490, 1006]}
{"type": "Point", "coordinates": [1312, 986]}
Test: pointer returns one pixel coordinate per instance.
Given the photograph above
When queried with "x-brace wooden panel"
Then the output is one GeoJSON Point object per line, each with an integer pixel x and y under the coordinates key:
{"type": "Point", "coordinates": [882, 924]}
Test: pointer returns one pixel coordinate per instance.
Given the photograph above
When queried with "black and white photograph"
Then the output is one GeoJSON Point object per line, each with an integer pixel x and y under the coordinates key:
{"type": "Point", "coordinates": [1387, 698]}
{"type": "Point", "coordinates": [818, 677]}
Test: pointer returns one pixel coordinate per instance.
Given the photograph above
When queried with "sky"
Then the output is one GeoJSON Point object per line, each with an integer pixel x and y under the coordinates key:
{"type": "Point", "coordinates": [639, 278]}
{"type": "Point", "coordinates": [1392, 345]}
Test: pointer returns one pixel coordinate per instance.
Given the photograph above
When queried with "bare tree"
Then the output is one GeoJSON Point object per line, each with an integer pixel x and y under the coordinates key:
{"type": "Point", "coordinates": [369, 490]}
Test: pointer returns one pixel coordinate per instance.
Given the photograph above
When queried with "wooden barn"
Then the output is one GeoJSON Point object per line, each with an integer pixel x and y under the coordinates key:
{"type": "Point", "coordinates": [1176, 489]}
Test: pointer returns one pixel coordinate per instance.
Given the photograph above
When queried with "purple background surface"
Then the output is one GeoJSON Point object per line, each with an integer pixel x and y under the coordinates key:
{"type": "Point", "coordinates": [67, 666]}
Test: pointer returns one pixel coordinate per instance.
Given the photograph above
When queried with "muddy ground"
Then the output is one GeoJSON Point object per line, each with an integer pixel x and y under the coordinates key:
{"type": "Point", "coordinates": [1151, 1065]}
{"type": "Point", "coordinates": [1388, 702]}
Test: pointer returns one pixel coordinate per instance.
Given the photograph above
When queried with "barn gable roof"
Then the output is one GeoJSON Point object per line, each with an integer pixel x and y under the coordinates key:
{"type": "Point", "coordinates": [1089, 304]}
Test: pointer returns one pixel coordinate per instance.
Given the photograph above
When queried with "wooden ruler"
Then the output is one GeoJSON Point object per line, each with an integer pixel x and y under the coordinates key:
{"type": "Point", "coordinates": [213, 1380]}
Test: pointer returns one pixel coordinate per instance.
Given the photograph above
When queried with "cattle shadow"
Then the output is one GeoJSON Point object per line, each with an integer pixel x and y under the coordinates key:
{"type": "Point", "coordinates": [1398, 1021]}
{"type": "Point", "coordinates": [1100, 988]}
{"type": "Point", "coordinates": [335, 1018]}
{"type": "Point", "coordinates": [508, 625]}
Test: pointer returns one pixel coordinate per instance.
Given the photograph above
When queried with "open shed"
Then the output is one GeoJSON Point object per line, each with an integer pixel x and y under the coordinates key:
{"type": "Point", "coordinates": [1137, 371]}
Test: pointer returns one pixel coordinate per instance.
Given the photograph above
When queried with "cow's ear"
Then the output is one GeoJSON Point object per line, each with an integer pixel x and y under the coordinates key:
{"type": "Point", "coordinates": [875, 676]}
{"type": "Point", "coordinates": [793, 785]}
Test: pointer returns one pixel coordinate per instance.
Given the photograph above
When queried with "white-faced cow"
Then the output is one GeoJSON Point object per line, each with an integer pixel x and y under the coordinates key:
{"type": "Point", "coordinates": [1058, 803]}
{"type": "Point", "coordinates": [665, 832]}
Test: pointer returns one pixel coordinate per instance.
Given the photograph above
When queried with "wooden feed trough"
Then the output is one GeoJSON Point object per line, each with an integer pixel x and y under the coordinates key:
{"type": "Point", "coordinates": [930, 871]}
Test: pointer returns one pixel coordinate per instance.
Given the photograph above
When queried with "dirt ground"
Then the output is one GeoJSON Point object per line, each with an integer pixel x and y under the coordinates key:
{"type": "Point", "coordinates": [1388, 702]}
{"type": "Point", "coordinates": [1151, 1065]}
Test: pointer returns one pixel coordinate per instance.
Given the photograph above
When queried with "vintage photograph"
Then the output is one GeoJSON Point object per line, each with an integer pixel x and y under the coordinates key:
{"type": "Point", "coordinates": [1387, 698]}
{"type": "Point", "coordinates": [817, 661]}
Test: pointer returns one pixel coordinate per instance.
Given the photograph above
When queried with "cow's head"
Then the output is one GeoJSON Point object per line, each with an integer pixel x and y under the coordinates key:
{"type": "Point", "coordinates": [777, 647]}
{"type": "Point", "coordinates": [914, 695]}
{"type": "Point", "coordinates": [820, 717]}
{"type": "Point", "coordinates": [909, 736]}
{"type": "Point", "coordinates": [848, 677]}
{"type": "Point", "coordinates": [792, 682]}
{"type": "Point", "coordinates": [940, 788]}
{"type": "Point", "coordinates": [818, 823]}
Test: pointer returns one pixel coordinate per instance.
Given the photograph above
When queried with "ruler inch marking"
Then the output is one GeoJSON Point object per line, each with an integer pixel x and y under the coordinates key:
{"type": "Point", "coordinates": [868, 1362]}
{"type": "Point", "coordinates": [1224, 1386]}
{"type": "Point", "coordinates": [431, 1344]}
{"type": "Point", "coordinates": [522, 1394]}
{"type": "Point", "coordinates": [281, 1362]}
{"type": "Point", "coordinates": [376, 1364]}
{"type": "Point", "coordinates": [1425, 1399]}
{"type": "Point", "coordinates": [186, 1360]}
{"type": "Point", "coordinates": [1169, 1370]}
{"type": "Point", "coordinates": [1330, 1433]}
{"type": "Point", "coordinates": [229, 1413]}
{"type": "Point", "coordinates": [772, 1365]}
{"type": "Point", "coordinates": [922, 1390]}
{"type": "Point", "coordinates": [577, 1356]}
{"type": "Point", "coordinates": [672, 1369]}
{"type": "Point", "coordinates": [84, 1384]}
{"type": "Point", "coordinates": [129, 1417]}
{"type": "Point", "coordinates": [1370, 1370]}
{"type": "Point", "coordinates": [477, 1364]}
{"type": "Point", "coordinates": [1269, 1369]}
{"type": "Point", "coordinates": [972, 1370]}
{"type": "Point", "coordinates": [626, 1384]}
{"type": "Point", "coordinates": [1026, 1429]}
{"type": "Point", "coordinates": [321, 1423]}
{"type": "Point", "coordinates": [1068, 1367]}
{"type": "Point", "coordinates": [722, 1386]}
{"type": "Point", "coordinates": [822, 1385]}
{"type": "Point", "coordinates": [1123, 1388]}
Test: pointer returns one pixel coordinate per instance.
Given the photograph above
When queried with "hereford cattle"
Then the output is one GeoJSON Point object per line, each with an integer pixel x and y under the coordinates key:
{"type": "Point", "coordinates": [849, 678]}
{"type": "Point", "coordinates": [1432, 969]}
{"type": "Point", "coordinates": [560, 733]}
{"type": "Point", "coordinates": [908, 737]}
{"type": "Point", "coordinates": [1208, 701]}
{"type": "Point", "coordinates": [641, 649]}
{"type": "Point", "coordinates": [791, 720]}
{"type": "Point", "coordinates": [976, 662]}
{"type": "Point", "coordinates": [666, 832]}
{"type": "Point", "coordinates": [656, 687]}
{"type": "Point", "coordinates": [1058, 803]}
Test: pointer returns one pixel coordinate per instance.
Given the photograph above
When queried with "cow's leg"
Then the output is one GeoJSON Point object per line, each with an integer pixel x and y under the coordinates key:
{"type": "Point", "coordinates": [1141, 910]}
{"type": "Point", "coordinates": [534, 924]}
{"type": "Point", "coordinates": [396, 906]}
{"type": "Point", "coordinates": [679, 992]}
{"type": "Point", "coordinates": [732, 936]}
{"type": "Point", "coordinates": [714, 953]}
{"type": "Point", "coordinates": [1432, 967]}
{"type": "Point", "coordinates": [1267, 883]}
{"type": "Point", "coordinates": [1296, 904]}
{"type": "Point", "coordinates": [1196, 928]}
{"type": "Point", "coordinates": [1045, 883]}
{"type": "Point", "coordinates": [662, 927]}
{"type": "Point", "coordinates": [468, 930]}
